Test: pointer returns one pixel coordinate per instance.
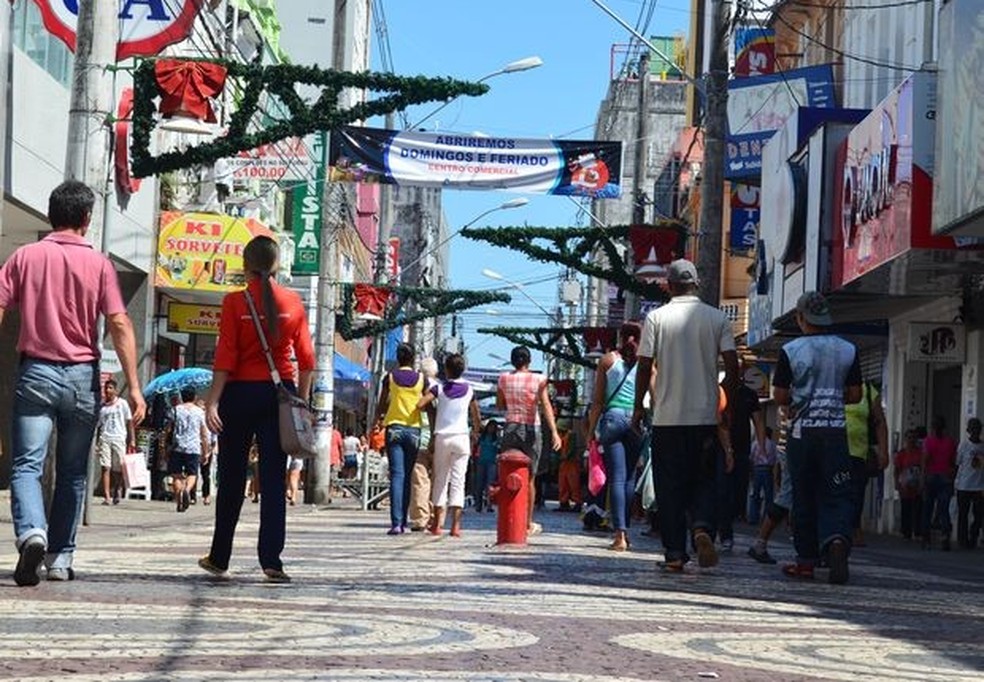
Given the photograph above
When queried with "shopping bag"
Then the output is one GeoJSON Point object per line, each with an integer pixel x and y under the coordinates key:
{"type": "Point", "coordinates": [645, 487]}
{"type": "Point", "coordinates": [135, 472]}
{"type": "Point", "coordinates": [596, 468]}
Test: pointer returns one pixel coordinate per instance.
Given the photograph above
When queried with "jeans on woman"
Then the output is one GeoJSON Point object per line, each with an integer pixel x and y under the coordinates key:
{"type": "Point", "coordinates": [936, 505]}
{"type": "Point", "coordinates": [622, 446]}
{"type": "Point", "coordinates": [763, 491]}
{"type": "Point", "coordinates": [402, 443]}
{"type": "Point", "coordinates": [248, 409]}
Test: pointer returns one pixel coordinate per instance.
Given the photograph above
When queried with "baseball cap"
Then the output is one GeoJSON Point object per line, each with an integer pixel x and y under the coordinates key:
{"type": "Point", "coordinates": [814, 308]}
{"type": "Point", "coordinates": [682, 271]}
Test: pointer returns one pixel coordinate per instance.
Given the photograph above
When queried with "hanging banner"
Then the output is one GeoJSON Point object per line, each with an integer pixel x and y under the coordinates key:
{"type": "Point", "coordinates": [307, 201]}
{"type": "Point", "coordinates": [755, 51]}
{"type": "Point", "coordinates": [146, 26]}
{"type": "Point", "coordinates": [745, 212]}
{"type": "Point", "coordinates": [463, 161]}
{"type": "Point", "coordinates": [204, 251]}
{"type": "Point", "coordinates": [191, 318]}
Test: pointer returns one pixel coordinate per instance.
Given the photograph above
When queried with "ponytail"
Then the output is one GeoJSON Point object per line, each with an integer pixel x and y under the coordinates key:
{"type": "Point", "coordinates": [260, 257]}
{"type": "Point", "coordinates": [629, 336]}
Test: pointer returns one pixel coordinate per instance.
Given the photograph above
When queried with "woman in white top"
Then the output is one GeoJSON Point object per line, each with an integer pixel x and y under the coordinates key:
{"type": "Point", "coordinates": [451, 442]}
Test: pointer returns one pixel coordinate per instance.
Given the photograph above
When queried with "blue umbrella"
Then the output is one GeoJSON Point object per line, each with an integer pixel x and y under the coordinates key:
{"type": "Point", "coordinates": [175, 380]}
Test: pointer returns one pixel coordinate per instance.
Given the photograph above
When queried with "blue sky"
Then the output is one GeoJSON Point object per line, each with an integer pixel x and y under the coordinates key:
{"type": "Point", "coordinates": [469, 39]}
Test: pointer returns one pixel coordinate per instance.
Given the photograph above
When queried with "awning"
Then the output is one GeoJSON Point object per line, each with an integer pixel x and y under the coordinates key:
{"type": "Point", "coordinates": [346, 369]}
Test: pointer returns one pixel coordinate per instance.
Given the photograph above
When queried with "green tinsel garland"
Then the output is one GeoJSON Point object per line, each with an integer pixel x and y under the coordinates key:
{"type": "Point", "coordinates": [544, 339]}
{"type": "Point", "coordinates": [280, 80]}
{"type": "Point", "coordinates": [573, 248]}
{"type": "Point", "coordinates": [430, 303]}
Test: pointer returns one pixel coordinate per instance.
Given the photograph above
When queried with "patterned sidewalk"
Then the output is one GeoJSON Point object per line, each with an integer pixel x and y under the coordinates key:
{"type": "Point", "coordinates": [364, 606]}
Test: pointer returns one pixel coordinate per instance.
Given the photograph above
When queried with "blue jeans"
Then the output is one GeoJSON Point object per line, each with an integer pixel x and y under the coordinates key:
{"type": "Point", "coordinates": [402, 443]}
{"type": "Point", "coordinates": [248, 409]}
{"type": "Point", "coordinates": [486, 473]}
{"type": "Point", "coordinates": [763, 490]}
{"type": "Point", "coordinates": [936, 504]}
{"type": "Point", "coordinates": [687, 461]}
{"type": "Point", "coordinates": [823, 498]}
{"type": "Point", "coordinates": [622, 446]}
{"type": "Point", "coordinates": [51, 396]}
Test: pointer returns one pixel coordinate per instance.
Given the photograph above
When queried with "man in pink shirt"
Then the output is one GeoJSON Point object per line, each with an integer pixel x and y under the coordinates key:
{"type": "Point", "coordinates": [60, 285]}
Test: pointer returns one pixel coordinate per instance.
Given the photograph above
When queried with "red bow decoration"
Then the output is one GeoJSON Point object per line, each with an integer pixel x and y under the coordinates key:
{"type": "Point", "coordinates": [371, 300]}
{"type": "Point", "coordinates": [599, 340]}
{"type": "Point", "coordinates": [655, 246]}
{"type": "Point", "coordinates": [186, 87]}
{"type": "Point", "coordinates": [126, 183]}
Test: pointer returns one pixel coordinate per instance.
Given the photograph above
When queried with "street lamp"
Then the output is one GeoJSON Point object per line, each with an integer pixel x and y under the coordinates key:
{"type": "Point", "coordinates": [524, 64]}
{"type": "Point", "coordinates": [512, 203]}
{"type": "Point", "coordinates": [492, 274]}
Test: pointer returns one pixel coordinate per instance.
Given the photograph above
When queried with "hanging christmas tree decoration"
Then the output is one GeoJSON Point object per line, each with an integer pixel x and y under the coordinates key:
{"type": "Point", "coordinates": [654, 247]}
{"type": "Point", "coordinates": [559, 342]}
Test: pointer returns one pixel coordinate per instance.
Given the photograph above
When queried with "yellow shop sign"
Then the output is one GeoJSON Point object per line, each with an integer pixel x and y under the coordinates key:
{"type": "Point", "coordinates": [190, 318]}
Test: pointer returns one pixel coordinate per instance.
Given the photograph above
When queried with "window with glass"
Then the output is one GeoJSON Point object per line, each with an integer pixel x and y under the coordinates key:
{"type": "Point", "coordinates": [44, 49]}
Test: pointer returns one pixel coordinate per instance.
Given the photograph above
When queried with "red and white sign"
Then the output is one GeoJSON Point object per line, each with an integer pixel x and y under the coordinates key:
{"type": "Point", "coordinates": [146, 26]}
{"type": "Point", "coordinates": [393, 259]}
{"type": "Point", "coordinates": [883, 207]}
{"type": "Point", "coordinates": [285, 160]}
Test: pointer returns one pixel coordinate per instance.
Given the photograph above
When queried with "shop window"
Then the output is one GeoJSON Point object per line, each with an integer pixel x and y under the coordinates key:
{"type": "Point", "coordinates": [44, 49]}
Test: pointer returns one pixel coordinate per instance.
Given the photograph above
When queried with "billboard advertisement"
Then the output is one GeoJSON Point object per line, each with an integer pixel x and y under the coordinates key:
{"type": "Point", "coordinates": [755, 51]}
{"type": "Point", "coordinates": [468, 161]}
{"type": "Point", "coordinates": [191, 318]}
{"type": "Point", "coordinates": [959, 190]}
{"type": "Point", "coordinates": [307, 199]}
{"type": "Point", "coordinates": [759, 106]}
{"type": "Point", "coordinates": [884, 170]}
{"type": "Point", "coordinates": [204, 251]}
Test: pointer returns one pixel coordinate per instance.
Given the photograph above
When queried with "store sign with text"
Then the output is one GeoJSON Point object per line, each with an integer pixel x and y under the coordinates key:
{"type": "Point", "coordinates": [146, 26]}
{"type": "Point", "coordinates": [278, 161]}
{"type": "Point", "coordinates": [191, 318]}
{"type": "Point", "coordinates": [938, 342]}
{"type": "Point", "coordinates": [307, 214]}
{"type": "Point", "coordinates": [755, 51]}
{"type": "Point", "coordinates": [204, 251]}
{"type": "Point", "coordinates": [759, 106]}
{"type": "Point", "coordinates": [745, 212]}
{"type": "Point", "coordinates": [467, 161]}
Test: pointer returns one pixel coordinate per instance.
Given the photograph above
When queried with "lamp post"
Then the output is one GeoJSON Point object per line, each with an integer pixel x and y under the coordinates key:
{"type": "Point", "coordinates": [492, 274]}
{"type": "Point", "coordinates": [524, 64]}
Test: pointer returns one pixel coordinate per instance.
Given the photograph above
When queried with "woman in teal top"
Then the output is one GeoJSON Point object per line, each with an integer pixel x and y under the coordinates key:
{"type": "Point", "coordinates": [486, 468]}
{"type": "Point", "coordinates": [611, 415]}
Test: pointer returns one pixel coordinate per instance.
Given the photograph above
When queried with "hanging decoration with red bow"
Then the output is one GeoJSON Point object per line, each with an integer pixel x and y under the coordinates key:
{"type": "Point", "coordinates": [599, 340]}
{"type": "Point", "coordinates": [187, 87]}
{"type": "Point", "coordinates": [125, 182]}
{"type": "Point", "coordinates": [371, 300]}
{"type": "Point", "coordinates": [654, 247]}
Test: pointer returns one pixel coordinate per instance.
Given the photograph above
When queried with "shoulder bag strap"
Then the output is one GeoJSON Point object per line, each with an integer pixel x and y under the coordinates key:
{"type": "Point", "coordinates": [274, 374]}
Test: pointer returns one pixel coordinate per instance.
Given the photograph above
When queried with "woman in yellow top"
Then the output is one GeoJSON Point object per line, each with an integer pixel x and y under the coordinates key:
{"type": "Point", "coordinates": [398, 413]}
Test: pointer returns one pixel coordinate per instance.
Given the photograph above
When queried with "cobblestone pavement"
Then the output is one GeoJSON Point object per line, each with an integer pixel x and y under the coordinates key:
{"type": "Point", "coordinates": [364, 606]}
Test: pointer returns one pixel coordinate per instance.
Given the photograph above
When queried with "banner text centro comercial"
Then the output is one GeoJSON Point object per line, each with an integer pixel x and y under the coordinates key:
{"type": "Point", "coordinates": [204, 251]}
{"type": "Point", "coordinates": [462, 161]}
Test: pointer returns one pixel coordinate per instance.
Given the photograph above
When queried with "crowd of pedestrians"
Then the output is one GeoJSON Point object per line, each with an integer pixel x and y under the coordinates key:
{"type": "Point", "coordinates": [691, 442]}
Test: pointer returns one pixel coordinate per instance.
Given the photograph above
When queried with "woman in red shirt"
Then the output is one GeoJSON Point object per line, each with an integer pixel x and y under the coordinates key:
{"type": "Point", "coordinates": [243, 403]}
{"type": "Point", "coordinates": [908, 481]}
{"type": "Point", "coordinates": [939, 463]}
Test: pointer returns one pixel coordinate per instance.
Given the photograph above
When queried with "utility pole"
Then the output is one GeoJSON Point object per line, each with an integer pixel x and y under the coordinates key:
{"type": "Point", "coordinates": [89, 133]}
{"type": "Point", "coordinates": [639, 171]}
{"type": "Point", "coordinates": [709, 242]}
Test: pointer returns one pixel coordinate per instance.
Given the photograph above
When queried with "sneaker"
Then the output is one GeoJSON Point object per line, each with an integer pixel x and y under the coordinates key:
{"type": "Point", "coordinates": [395, 530]}
{"type": "Point", "coordinates": [61, 574]}
{"type": "Point", "coordinates": [799, 571]}
{"type": "Point", "coordinates": [706, 554]}
{"type": "Point", "coordinates": [762, 557]}
{"type": "Point", "coordinates": [206, 564]}
{"type": "Point", "coordinates": [837, 561]}
{"type": "Point", "coordinates": [534, 529]}
{"type": "Point", "coordinates": [31, 558]}
{"type": "Point", "coordinates": [276, 575]}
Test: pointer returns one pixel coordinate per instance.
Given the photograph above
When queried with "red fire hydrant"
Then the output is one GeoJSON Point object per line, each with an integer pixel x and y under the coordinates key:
{"type": "Point", "coordinates": [512, 497]}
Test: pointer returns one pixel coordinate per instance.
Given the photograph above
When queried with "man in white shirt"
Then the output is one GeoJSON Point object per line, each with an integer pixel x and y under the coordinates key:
{"type": "Point", "coordinates": [114, 433]}
{"type": "Point", "coordinates": [190, 439]}
{"type": "Point", "coordinates": [969, 485]}
{"type": "Point", "coordinates": [681, 340]}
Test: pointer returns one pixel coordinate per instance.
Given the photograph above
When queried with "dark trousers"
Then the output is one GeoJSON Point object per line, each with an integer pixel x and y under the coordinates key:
{"type": "Point", "coordinates": [740, 481]}
{"type": "Point", "coordinates": [207, 479]}
{"type": "Point", "coordinates": [686, 467]}
{"type": "Point", "coordinates": [936, 505]}
{"type": "Point", "coordinates": [823, 502]}
{"type": "Point", "coordinates": [911, 516]}
{"type": "Point", "coordinates": [859, 486]}
{"type": "Point", "coordinates": [402, 443]}
{"type": "Point", "coordinates": [763, 493]}
{"type": "Point", "coordinates": [967, 502]}
{"type": "Point", "coordinates": [248, 409]}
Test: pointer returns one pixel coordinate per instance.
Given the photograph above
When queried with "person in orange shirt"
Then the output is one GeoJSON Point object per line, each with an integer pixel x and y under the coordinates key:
{"type": "Point", "coordinates": [243, 403]}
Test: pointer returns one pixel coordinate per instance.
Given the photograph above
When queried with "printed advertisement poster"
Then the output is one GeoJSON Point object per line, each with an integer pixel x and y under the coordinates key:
{"type": "Point", "coordinates": [465, 161]}
{"type": "Point", "coordinates": [204, 251]}
{"type": "Point", "coordinates": [191, 318]}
